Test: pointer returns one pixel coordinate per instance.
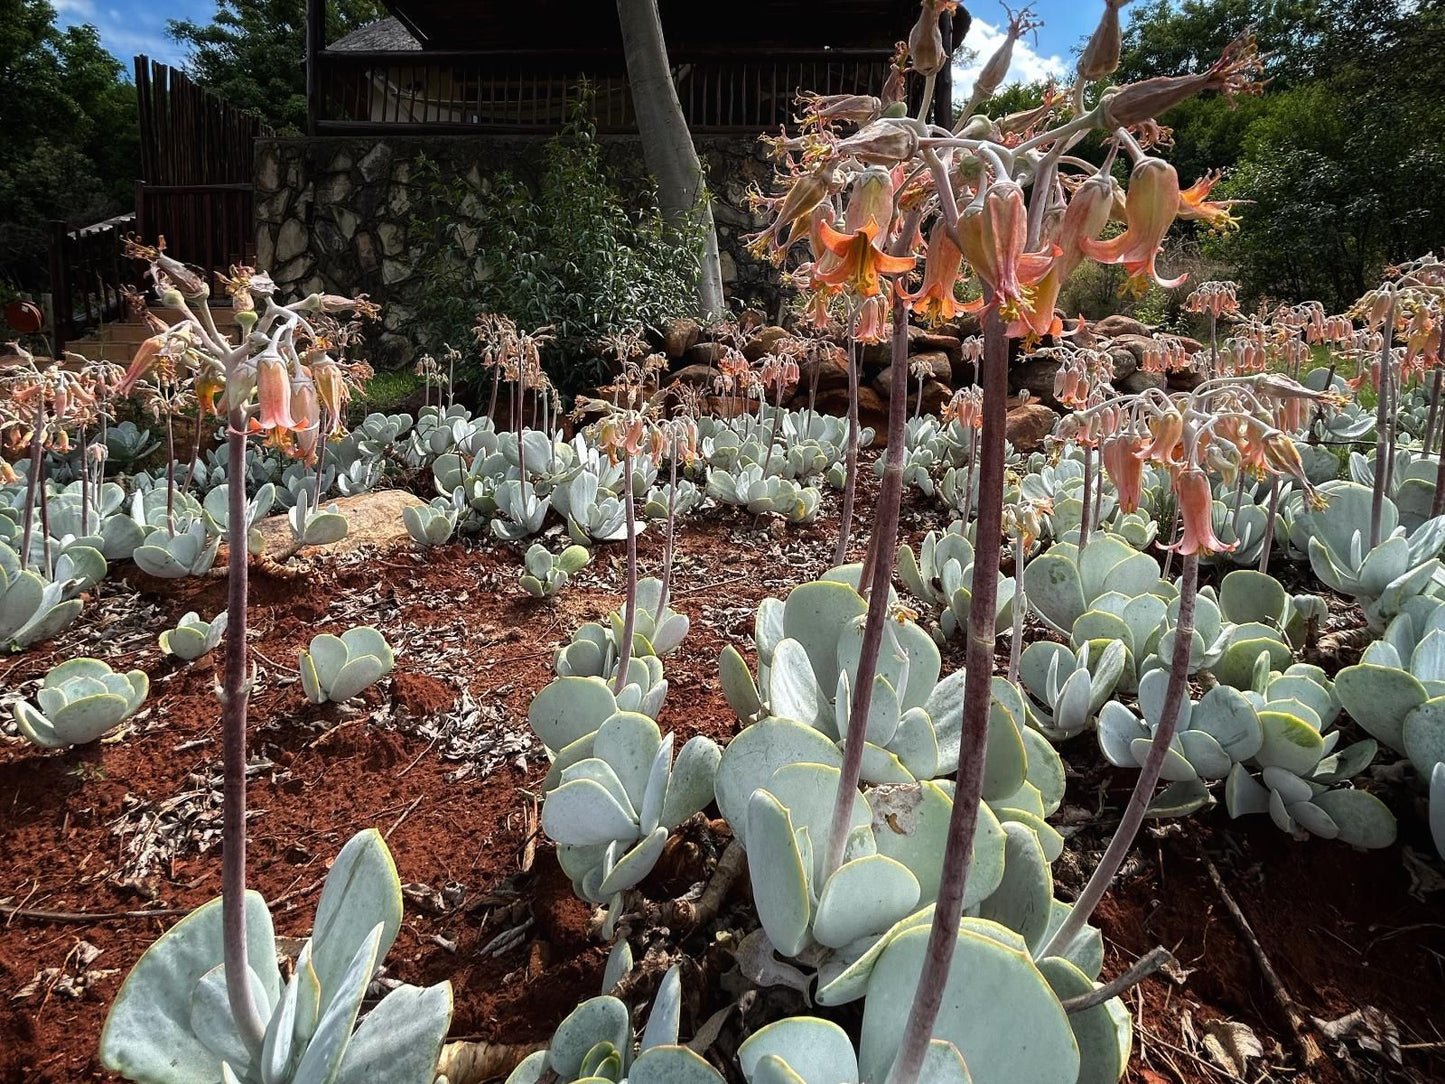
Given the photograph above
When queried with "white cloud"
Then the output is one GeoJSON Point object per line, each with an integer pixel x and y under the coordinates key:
{"type": "Point", "coordinates": [75, 11]}
{"type": "Point", "coordinates": [1027, 67]}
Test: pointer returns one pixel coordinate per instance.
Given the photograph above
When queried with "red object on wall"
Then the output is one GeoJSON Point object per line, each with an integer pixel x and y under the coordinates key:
{"type": "Point", "coordinates": [24, 317]}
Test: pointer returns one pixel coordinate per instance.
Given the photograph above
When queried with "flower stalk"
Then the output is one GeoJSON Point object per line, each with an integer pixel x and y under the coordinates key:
{"type": "Point", "coordinates": [1123, 838]}
{"type": "Point", "coordinates": [873, 583]}
{"type": "Point", "coordinates": [977, 699]}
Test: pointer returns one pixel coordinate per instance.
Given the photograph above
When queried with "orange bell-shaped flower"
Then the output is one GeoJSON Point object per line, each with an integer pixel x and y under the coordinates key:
{"type": "Point", "coordinates": [935, 300]}
{"type": "Point", "coordinates": [860, 261]}
{"type": "Point", "coordinates": [1196, 513]}
{"type": "Point", "coordinates": [994, 231]}
{"type": "Point", "coordinates": [1150, 206]}
{"type": "Point", "coordinates": [273, 386]}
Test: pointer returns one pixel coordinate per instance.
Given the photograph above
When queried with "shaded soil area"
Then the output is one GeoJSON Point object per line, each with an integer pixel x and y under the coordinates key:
{"type": "Point", "coordinates": [104, 847]}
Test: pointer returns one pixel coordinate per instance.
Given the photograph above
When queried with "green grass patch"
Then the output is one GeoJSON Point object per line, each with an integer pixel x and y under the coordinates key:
{"type": "Point", "coordinates": [385, 392]}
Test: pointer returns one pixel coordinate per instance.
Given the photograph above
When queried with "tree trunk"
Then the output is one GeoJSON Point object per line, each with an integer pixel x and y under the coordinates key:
{"type": "Point", "coordinates": [666, 142]}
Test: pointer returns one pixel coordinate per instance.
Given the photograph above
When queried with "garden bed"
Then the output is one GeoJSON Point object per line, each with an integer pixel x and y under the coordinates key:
{"type": "Point", "coordinates": [440, 759]}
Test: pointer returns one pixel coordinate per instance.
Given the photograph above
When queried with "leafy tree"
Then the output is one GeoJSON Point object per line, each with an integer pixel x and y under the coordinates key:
{"type": "Point", "coordinates": [69, 147]}
{"type": "Point", "coordinates": [1339, 159]}
{"type": "Point", "coordinates": [253, 52]}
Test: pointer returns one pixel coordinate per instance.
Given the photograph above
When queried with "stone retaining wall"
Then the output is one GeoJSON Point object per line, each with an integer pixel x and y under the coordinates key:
{"type": "Point", "coordinates": [332, 213]}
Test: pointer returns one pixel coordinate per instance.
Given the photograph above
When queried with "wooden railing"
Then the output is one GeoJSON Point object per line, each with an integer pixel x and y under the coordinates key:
{"type": "Point", "coordinates": [519, 93]}
{"type": "Point", "coordinates": [88, 276]}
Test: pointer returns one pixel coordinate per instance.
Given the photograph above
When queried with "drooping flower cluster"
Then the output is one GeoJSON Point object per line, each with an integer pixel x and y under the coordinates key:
{"type": "Point", "coordinates": [287, 357]}
{"type": "Point", "coordinates": [1225, 426]}
{"type": "Point", "coordinates": [995, 214]}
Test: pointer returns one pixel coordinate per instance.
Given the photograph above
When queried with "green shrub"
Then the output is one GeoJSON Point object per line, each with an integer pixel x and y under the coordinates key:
{"type": "Point", "coordinates": [564, 252]}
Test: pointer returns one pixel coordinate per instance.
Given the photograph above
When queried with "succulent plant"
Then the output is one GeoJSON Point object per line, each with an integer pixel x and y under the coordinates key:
{"type": "Point", "coordinates": [593, 514]}
{"type": "Point", "coordinates": [126, 443]}
{"type": "Point", "coordinates": [1067, 687]}
{"type": "Point", "coordinates": [942, 575]}
{"type": "Point", "coordinates": [1397, 694]}
{"type": "Point", "coordinates": [594, 1044]}
{"type": "Point", "coordinates": [1247, 597]}
{"type": "Point", "coordinates": [689, 499]}
{"type": "Point", "coordinates": [1306, 804]}
{"type": "Point", "coordinates": [79, 700]}
{"type": "Point", "coordinates": [1279, 727]}
{"type": "Point", "coordinates": [544, 573]}
{"type": "Point", "coordinates": [1347, 422]}
{"type": "Point", "coordinates": [592, 653]}
{"type": "Point", "coordinates": [618, 794]}
{"type": "Point", "coordinates": [1379, 578]}
{"type": "Point", "coordinates": [1135, 528]}
{"type": "Point", "coordinates": [809, 646]}
{"type": "Point", "coordinates": [336, 668]}
{"type": "Point", "coordinates": [300, 481]}
{"type": "Point", "coordinates": [193, 637]}
{"type": "Point", "coordinates": [190, 552]}
{"type": "Point", "coordinates": [1066, 583]}
{"type": "Point", "coordinates": [381, 431]}
{"type": "Point", "coordinates": [1245, 528]}
{"type": "Point", "coordinates": [894, 857]}
{"type": "Point", "coordinates": [172, 1021]}
{"type": "Point", "coordinates": [994, 988]}
{"type": "Point", "coordinates": [1412, 482]}
{"type": "Point", "coordinates": [31, 607]}
{"type": "Point", "coordinates": [881, 880]}
{"type": "Point", "coordinates": [360, 475]}
{"type": "Point", "coordinates": [430, 524]}
{"type": "Point", "coordinates": [807, 1049]}
{"type": "Point", "coordinates": [217, 510]}
{"type": "Point", "coordinates": [747, 487]}
{"type": "Point", "coordinates": [520, 512]}
{"type": "Point", "coordinates": [315, 526]}
{"type": "Point", "coordinates": [921, 462]}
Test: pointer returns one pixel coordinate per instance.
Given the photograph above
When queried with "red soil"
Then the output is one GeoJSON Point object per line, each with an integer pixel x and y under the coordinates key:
{"type": "Point", "coordinates": [439, 758]}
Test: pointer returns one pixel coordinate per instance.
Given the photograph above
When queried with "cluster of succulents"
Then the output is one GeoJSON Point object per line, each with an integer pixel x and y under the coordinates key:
{"type": "Point", "coordinates": [79, 701]}
{"type": "Point", "coordinates": [193, 637]}
{"type": "Point", "coordinates": [544, 573]}
{"type": "Point", "coordinates": [941, 574]}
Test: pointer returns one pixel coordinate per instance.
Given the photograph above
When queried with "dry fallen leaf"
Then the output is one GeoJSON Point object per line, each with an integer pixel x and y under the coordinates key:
{"type": "Point", "coordinates": [1231, 1044]}
{"type": "Point", "coordinates": [1372, 1029]}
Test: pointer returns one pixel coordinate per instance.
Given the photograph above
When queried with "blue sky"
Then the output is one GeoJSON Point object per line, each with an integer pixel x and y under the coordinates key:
{"type": "Point", "coordinates": [128, 27]}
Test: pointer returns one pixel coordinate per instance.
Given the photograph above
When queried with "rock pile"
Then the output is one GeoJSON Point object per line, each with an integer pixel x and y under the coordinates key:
{"type": "Point", "coordinates": [694, 353]}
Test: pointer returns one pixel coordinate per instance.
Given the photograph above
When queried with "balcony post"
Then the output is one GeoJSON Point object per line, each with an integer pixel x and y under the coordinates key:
{"type": "Point", "coordinates": [315, 45]}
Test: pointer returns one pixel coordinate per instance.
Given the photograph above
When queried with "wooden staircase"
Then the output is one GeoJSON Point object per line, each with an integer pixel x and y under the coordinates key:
{"type": "Point", "coordinates": [117, 341]}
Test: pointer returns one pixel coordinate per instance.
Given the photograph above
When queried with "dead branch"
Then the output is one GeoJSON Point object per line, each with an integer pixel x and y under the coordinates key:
{"type": "Point", "coordinates": [474, 1063]}
{"type": "Point", "coordinates": [1309, 1049]}
{"type": "Point", "coordinates": [1141, 969]}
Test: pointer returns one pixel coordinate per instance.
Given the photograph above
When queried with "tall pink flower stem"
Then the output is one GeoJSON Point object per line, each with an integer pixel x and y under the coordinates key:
{"type": "Point", "coordinates": [977, 697]}
{"type": "Point", "coordinates": [1123, 838]}
{"type": "Point", "coordinates": [1429, 439]}
{"type": "Point", "coordinates": [878, 570]}
{"type": "Point", "coordinates": [850, 481]}
{"type": "Point", "coordinates": [32, 479]}
{"type": "Point", "coordinates": [1267, 549]}
{"type": "Point", "coordinates": [668, 538]}
{"type": "Point", "coordinates": [1382, 422]}
{"type": "Point", "coordinates": [629, 621]}
{"type": "Point", "coordinates": [235, 694]}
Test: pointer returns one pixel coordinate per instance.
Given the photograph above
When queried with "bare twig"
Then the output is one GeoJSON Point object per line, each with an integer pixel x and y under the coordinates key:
{"type": "Point", "coordinates": [1309, 1049]}
{"type": "Point", "coordinates": [1141, 969]}
{"type": "Point", "coordinates": [40, 915]}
